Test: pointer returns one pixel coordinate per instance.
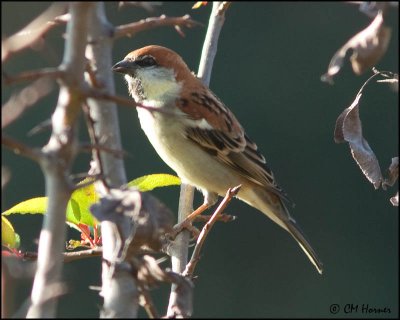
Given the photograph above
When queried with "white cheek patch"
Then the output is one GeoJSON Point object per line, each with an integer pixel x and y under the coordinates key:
{"type": "Point", "coordinates": [132, 86]}
{"type": "Point", "coordinates": [158, 83]}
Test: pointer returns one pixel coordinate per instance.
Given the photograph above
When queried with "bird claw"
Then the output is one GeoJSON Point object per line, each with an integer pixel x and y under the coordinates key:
{"type": "Point", "coordinates": [186, 224]}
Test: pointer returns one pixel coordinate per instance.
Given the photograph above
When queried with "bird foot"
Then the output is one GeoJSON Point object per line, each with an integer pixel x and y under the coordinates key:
{"type": "Point", "coordinates": [185, 224]}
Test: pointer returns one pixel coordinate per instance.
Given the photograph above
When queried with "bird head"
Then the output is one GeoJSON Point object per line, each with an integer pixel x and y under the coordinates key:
{"type": "Point", "coordinates": [153, 73]}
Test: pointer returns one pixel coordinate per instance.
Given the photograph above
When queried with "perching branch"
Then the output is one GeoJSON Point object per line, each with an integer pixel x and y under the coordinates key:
{"type": "Point", "coordinates": [189, 270]}
{"type": "Point", "coordinates": [180, 247]}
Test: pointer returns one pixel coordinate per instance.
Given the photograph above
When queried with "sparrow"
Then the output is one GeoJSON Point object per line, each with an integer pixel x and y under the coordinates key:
{"type": "Point", "coordinates": [196, 135]}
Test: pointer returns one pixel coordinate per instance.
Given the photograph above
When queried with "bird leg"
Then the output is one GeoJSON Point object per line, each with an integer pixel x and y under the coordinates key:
{"type": "Point", "coordinates": [187, 222]}
{"type": "Point", "coordinates": [196, 212]}
{"type": "Point", "coordinates": [210, 198]}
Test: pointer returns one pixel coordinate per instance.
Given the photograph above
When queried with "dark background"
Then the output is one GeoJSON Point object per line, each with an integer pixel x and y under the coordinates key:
{"type": "Point", "coordinates": [267, 70]}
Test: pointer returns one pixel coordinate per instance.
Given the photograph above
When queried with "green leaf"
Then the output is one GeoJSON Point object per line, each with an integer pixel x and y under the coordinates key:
{"type": "Point", "coordinates": [81, 199]}
{"type": "Point", "coordinates": [9, 238]}
{"type": "Point", "coordinates": [32, 206]}
{"type": "Point", "coordinates": [78, 210]}
{"type": "Point", "coordinates": [152, 181]}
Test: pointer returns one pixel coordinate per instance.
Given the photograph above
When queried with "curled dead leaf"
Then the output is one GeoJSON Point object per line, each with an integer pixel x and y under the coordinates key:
{"type": "Point", "coordinates": [393, 173]}
{"type": "Point", "coordinates": [395, 199]}
{"type": "Point", "coordinates": [368, 47]}
{"type": "Point", "coordinates": [153, 221]}
{"type": "Point", "coordinates": [349, 129]}
{"type": "Point", "coordinates": [151, 218]}
{"type": "Point", "coordinates": [392, 82]}
{"type": "Point", "coordinates": [372, 8]}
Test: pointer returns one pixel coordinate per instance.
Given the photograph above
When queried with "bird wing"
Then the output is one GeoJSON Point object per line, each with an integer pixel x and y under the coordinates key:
{"type": "Point", "coordinates": [214, 128]}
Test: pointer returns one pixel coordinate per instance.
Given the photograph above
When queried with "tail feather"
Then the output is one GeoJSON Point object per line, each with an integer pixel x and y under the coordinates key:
{"type": "Point", "coordinates": [272, 206]}
{"type": "Point", "coordinates": [304, 244]}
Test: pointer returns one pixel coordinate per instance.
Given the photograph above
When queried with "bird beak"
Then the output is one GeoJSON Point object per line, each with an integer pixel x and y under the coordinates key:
{"type": "Point", "coordinates": [124, 66]}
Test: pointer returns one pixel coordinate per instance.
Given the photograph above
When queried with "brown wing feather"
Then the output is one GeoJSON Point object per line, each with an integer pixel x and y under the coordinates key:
{"type": "Point", "coordinates": [227, 140]}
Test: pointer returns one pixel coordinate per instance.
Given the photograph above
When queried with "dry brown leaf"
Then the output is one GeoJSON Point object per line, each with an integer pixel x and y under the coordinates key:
{"type": "Point", "coordinates": [152, 219]}
{"type": "Point", "coordinates": [348, 128]}
{"type": "Point", "coordinates": [392, 82]}
{"type": "Point", "coordinates": [371, 8]}
{"type": "Point", "coordinates": [368, 47]}
{"type": "Point", "coordinates": [395, 199]}
{"type": "Point", "coordinates": [393, 173]}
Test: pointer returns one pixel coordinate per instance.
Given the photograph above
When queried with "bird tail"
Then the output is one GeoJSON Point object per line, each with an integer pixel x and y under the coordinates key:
{"type": "Point", "coordinates": [304, 244]}
{"type": "Point", "coordinates": [271, 205]}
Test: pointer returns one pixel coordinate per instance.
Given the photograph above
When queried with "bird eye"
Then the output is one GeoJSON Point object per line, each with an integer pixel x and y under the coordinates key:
{"type": "Point", "coordinates": [146, 61]}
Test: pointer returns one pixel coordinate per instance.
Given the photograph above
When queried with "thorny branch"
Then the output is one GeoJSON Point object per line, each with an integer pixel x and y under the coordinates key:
{"type": "Point", "coordinates": [68, 256]}
{"type": "Point", "coordinates": [155, 22]}
{"type": "Point", "coordinates": [19, 102]}
{"type": "Point", "coordinates": [33, 75]}
{"type": "Point", "coordinates": [33, 31]}
{"type": "Point", "coordinates": [189, 270]}
{"type": "Point", "coordinates": [58, 156]}
{"type": "Point", "coordinates": [121, 101]}
{"type": "Point", "coordinates": [20, 148]}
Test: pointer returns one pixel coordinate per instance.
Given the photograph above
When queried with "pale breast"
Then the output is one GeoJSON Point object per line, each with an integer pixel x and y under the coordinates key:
{"type": "Point", "coordinates": [192, 164]}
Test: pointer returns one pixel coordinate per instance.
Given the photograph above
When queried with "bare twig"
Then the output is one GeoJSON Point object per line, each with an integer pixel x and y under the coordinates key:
{"type": "Point", "coordinates": [209, 51]}
{"type": "Point", "coordinates": [154, 22]}
{"type": "Point", "coordinates": [95, 94]}
{"type": "Point", "coordinates": [117, 153]}
{"type": "Point", "coordinates": [33, 75]}
{"type": "Point", "coordinates": [181, 244]}
{"type": "Point", "coordinates": [42, 126]}
{"type": "Point", "coordinates": [5, 176]}
{"type": "Point", "coordinates": [189, 270]}
{"type": "Point", "coordinates": [123, 101]}
{"type": "Point", "coordinates": [83, 184]}
{"type": "Point", "coordinates": [119, 288]}
{"type": "Point", "coordinates": [93, 138]}
{"type": "Point", "coordinates": [146, 5]}
{"type": "Point", "coordinates": [83, 254]}
{"type": "Point", "coordinates": [24, 99]}
{"type": "Point", "coordinates": [33, 31]}
{"type": "Point", "coordinates": [20, 148]}
{"type": "Point", "coordinates": [223, 7]}
{"type": "Point", "coordinates": [69, 256]}
{"type": "Point", "coordinates": [149, 273]}
{"type": "Point", "coordinates": [147, 303]}
{"type": "Point", "coordinates": [222, 217]}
